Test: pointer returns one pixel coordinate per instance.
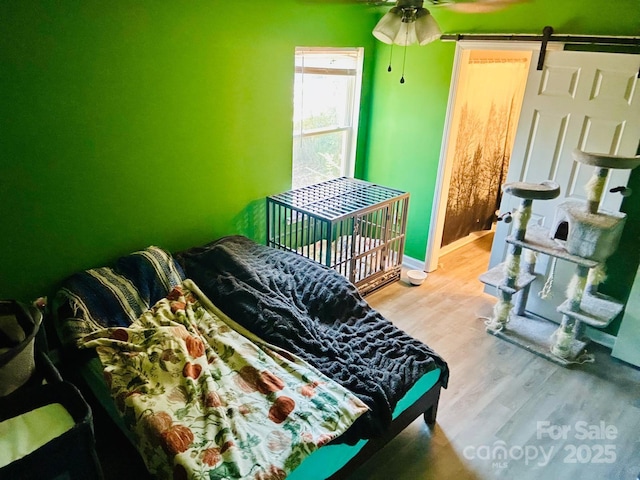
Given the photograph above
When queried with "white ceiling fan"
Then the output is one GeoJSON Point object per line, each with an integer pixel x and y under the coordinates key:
{"type": "Point", "coordinates": [409, 23]}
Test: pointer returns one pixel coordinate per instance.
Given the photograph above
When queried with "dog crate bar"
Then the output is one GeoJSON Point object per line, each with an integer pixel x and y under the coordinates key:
{"type": "Point", "coordinates": [355, 227]}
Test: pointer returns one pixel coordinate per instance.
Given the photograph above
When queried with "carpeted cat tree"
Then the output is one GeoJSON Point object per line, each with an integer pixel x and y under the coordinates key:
{"type": "Point", "coordinates": [581, 234]}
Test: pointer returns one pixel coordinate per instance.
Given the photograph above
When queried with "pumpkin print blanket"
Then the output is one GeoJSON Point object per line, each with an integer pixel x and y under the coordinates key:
{"type": "Point", "coordinates": [206, 399]}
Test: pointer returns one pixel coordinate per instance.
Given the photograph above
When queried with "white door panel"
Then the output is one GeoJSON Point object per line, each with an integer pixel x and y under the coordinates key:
{"type": "Point", "coordinates": [579, 100]}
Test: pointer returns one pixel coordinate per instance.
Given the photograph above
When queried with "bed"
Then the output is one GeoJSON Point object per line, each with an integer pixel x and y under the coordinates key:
{"type": "Point", "coordinates": [237, 360]}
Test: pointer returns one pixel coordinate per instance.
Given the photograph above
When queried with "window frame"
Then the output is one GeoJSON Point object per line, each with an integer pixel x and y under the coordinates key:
{"type": "Point", "coordinates": [347, 167]}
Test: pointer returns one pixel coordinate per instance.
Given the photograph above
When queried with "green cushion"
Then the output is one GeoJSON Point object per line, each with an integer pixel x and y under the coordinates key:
{"type": "Point", "coordinates": [21, 435]}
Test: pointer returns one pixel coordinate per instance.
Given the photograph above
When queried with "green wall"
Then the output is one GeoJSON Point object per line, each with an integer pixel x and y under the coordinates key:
{"type": "Point", "coordinates": [407, 122]}
{"type": "Point", "coordinates": [143, 122]}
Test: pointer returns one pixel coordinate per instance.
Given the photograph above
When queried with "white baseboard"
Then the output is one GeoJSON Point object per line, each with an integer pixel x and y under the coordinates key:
{"type": "Point", "coordinates": [412, 263]}
{"type": "Point", "coordinates": [461, 242]}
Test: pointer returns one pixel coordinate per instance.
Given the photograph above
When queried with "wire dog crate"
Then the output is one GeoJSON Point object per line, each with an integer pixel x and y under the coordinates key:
{"type": "Point", "coordinates": [355, 227]}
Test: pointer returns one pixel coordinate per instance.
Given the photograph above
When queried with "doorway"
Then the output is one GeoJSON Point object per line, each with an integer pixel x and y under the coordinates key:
{"type": "Point", "coordinates": [488, 84]}
{"type": "Point", "coordinates": [486, 110]}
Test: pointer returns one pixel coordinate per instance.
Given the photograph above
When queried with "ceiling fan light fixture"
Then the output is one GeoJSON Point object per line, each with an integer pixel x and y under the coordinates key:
{"type": "Point", "coordinates": [407, 23]}
{"type": "Point", "coordinates": [427, 29]}
{"type": "Point", "coordinates": [406, 35]}
{"type": "Point", "coordinates": [389, 25]}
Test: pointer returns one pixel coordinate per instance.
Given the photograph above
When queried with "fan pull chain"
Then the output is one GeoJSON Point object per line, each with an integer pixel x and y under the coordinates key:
{"type": "Point", "coordinates": [390, 57]}
{"type": "Point", "coordinates": [404, 61]}
{"type": "Point", "coordinates": [404, 58]}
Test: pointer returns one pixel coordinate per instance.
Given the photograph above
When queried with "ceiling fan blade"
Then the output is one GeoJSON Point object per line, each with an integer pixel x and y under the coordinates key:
{"type": "Point", "coordinates": [363, 2]}
{"type": "Point", "coordinates": [476, 6]}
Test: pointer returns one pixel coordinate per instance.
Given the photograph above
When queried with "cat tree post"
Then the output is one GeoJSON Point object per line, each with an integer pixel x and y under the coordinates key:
{"type": "Point", "coordinates": [529, 268]}
{"type": "Point", "coordinates": [570, 328]}
{"type": "Point", "coordinates": [595, 187]}
{"type": "Point", "coordinates": [508, 277]}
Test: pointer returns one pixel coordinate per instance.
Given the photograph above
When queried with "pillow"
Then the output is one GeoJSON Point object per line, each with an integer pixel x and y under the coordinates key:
{"type": "Point", "coordinates": [118, 295]}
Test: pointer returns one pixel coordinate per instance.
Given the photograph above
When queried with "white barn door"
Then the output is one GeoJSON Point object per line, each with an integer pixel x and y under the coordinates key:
{"type": "Point", "coordinates": [579, 100]}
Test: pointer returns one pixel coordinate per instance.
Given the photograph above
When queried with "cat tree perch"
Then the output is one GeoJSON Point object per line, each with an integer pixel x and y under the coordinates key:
{"type": "Point", "coordinates": [581, 234]}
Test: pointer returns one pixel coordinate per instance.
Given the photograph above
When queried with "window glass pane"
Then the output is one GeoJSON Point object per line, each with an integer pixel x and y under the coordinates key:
{"type": "Point", "coordinates": [324, 101]}
{"type": "Point", "coordinates": [318, 158]}
{"type": "Point", "coordinates": [326, 106]}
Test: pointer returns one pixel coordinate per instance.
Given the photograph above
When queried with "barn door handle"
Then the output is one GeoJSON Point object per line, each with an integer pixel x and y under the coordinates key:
{"type": "Point", "coordinates": [505, 217]}
{"type": "Point", "coordinates": [624, 191]}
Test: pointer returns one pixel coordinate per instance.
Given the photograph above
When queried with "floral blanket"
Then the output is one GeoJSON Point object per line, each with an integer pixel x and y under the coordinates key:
{"type": "Point", "coordinates": [207, 399]}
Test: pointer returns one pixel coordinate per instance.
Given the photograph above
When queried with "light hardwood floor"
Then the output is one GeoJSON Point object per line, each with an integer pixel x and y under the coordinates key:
{"type": "Point", "coordinates": [500, 395]}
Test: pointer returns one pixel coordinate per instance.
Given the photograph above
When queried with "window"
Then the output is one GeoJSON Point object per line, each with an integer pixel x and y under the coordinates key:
{"type": "Point", "coordinates": [325, 113]}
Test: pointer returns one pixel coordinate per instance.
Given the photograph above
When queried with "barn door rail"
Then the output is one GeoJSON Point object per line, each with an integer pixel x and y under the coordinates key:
{"type": "Point", "coordinates": [546, 37]}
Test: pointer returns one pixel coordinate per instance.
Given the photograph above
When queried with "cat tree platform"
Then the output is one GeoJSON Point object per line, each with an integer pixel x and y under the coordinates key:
{"type": "Point", "coordinates": [595, 310]}
{"type": "Point", "coordinates": [537, 336]}
{"type": "Point", "coordinates": [495, 278]}
{"type": "Point", "coordinates": [603, 160]}
{"type": "Point", "coordinates": [537, 239]}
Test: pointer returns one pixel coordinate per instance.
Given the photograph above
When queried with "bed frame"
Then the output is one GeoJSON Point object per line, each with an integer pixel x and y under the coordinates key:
{"type": "Point", "coordinates": [426, 405]}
